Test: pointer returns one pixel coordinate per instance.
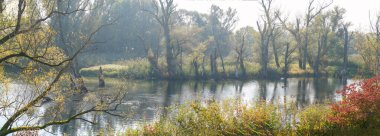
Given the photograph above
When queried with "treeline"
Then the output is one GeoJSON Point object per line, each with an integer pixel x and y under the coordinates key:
{"type": "Point", "coordinates": [176, 41]}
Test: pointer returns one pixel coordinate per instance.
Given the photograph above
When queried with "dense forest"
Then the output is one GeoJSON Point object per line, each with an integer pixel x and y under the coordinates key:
{"type": "Point", "coordinates": [50, 52]}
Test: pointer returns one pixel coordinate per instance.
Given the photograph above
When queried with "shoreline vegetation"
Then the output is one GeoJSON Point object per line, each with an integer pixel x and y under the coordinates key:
{"type": "Point", "coordinates": [53, 46]}
{"type": "Point", "coordinates": [140, 69]}
{"type": "Point", "coordinates": [357, 113]}
{"type": "Point", "coordinates": [233, 117]}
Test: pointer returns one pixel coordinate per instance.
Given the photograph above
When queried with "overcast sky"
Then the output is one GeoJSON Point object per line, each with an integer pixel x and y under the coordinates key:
{"type": "Point", "coordinates": [249, 10]}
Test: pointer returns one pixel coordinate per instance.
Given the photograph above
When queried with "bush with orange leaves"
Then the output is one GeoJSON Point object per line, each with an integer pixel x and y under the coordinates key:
{"type": "Point", "coordinates": [360, 106]}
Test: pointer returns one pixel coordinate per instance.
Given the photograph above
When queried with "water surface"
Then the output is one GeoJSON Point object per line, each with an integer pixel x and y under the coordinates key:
{"type": "Point", "coordinates": [145, 99]}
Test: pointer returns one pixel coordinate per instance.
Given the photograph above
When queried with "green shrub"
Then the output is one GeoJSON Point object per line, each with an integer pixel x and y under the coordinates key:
{"type": "Point", "coordinates": [313, 120]}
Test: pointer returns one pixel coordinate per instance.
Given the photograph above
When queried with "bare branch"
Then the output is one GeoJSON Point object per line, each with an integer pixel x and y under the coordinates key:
{"type": "Point", "coordinates": [34, 26]}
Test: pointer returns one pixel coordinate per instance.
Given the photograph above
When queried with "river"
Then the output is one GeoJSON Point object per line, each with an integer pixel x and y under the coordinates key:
{"type": "Point", "coordinates": [145, 99]}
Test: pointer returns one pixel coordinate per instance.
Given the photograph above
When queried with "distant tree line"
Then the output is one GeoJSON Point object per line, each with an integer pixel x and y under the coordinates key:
{"type": "Point", "coordinates": [317, 40]}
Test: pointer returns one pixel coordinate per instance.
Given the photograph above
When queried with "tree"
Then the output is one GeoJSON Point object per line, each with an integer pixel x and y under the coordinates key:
{"type": "Point", "coordinates": [368, 46]}
{"type": "Point", "coordinates": [121, 40]}
{"type": "Point", "coordinates": [311, 13]}
{"type": "Point", "coordinates": [266, 33]}
{"type": "Point", "coordinates": [150, 39]}
{"type": "Point", "coordinates": [345, 54]}
{"type": "Point", "coordinates": [242, 40]}
{"type": "Point", "coordinates": [375, 29]}
{"type": "Point", "coordinates": [322, 43]}
{"type": "Point", "coordinates": [162, 12]}
{"type": "Point", "coordinates": [364, 45]}
{"type": "Point", "coordinates": [189, 34]}
{"type": "Point", "coordinates": [300, 33]}
{"type": "Point", "coordinates": [276, 35]}
{"type": "Point", "coordinates": [287, 59]}
{"type": "Point", "coordinates": [296, 31]}
{"type": "Point", "coordinates": [198, 56]}
{"type": "Point", "coordinates": [326, 25]}
{"type": "Point", "coordinates": [26, 43]}
{"type": "Point", "coordinates": [69, 28]}
{"type": "Point", "coordinates": [221, 24]}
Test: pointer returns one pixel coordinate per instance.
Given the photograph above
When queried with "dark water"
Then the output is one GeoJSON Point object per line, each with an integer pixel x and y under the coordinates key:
{"type": "Point", "coordinates": [145, 99]}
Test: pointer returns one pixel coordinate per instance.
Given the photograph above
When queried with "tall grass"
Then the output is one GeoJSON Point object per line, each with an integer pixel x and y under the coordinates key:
{"type": "Point", "coordinates": [234, 118]}
{"type": "Point", "coordinates": [135, 69]}
{"type": "Point", "coordinates": [140, 69]}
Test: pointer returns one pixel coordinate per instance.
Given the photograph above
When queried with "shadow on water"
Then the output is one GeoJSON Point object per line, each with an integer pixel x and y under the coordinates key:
{"type": "Point", "coordinates": [146, 98]}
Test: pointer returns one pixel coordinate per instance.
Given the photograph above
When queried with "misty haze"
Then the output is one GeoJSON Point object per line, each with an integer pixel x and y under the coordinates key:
{"type": "Point", "coordinates": [189, 67]}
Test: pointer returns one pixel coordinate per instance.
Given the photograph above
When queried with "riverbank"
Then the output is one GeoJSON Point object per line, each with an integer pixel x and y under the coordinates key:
{"type": "Point", "coordinates": [140, 69]}
{"type": "Point", "coordinates": [357, 113]}
{"type": "Point", "coordinates": [233, 117]}
{"type": "Point", "coordinates": [145, 100]}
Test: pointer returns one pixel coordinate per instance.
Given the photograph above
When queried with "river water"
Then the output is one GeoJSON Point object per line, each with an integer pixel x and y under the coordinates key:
{"type": "Point", "coordinates": [145, 99]}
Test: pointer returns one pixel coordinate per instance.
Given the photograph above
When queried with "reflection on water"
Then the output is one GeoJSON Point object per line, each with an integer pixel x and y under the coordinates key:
{"type": "Point", "coordinates": [145, 99]}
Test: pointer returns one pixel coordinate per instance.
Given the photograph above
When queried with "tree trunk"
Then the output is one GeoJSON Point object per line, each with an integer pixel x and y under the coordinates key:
{"type": "Point", "coordinates": [345, 56]}
{"type": "Point", "coordinates": [300, 57]}
{"type": "Point", "coordinates": [237, 69]}
{"type": "Point", "coordinates": [170, 60]}
{"type": "Point", "coordinates": [212, 69]}
{"type": "Point", "coordinates": [1, 6]}
{"type": "Point", "coordinates": [222, 61]}
{"type": "Point", "coordinates": [264, 65]}
{"type": "Point", "coordinates": [102, 83]}
{"type": "Point", "coordinates": [221, 58]}
{"type": "Point", "coordinates": [305, 50]}
{"type": "Point", "coordinates": [242, 67]}
{"type": "Point", "coordinates": [317, 59]}
{"type": "Point", "coordinates": [241, 59]}
{"type": "Point", "coordinates": [152, 58]}
{"type": "Point", "coordinates": [203, 67]}
{"type": "Point", "coordinates": [286, 63]}
{"type": "Point", "coordinates": [264, 60]}
{"type": "Point", "coordinates": [154, 66]}
{"type": "Point", "coordinates": [275, 52]}
{"type": "Point", "coordinates": [181, 61]}
{"type": "Point", "coordinates": [322, 43]}
{"type": "Point", "coordinates": [196, 67]}
{"type": "Point", "coordinates": [213, 64]}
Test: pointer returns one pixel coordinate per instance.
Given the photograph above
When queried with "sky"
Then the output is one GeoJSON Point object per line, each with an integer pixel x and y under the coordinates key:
{"type": "Point", "coordinates": [249, 10]}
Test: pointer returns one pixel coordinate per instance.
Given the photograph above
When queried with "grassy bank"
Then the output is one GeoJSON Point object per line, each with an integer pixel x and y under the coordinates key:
{"type": "Point", "coordinates": [232, 118]}
{"type": "Point", "coordinates": [140, 69]}
{"type": "Point", "coordinates": [134, 69]}
{"type": "Point", "coordinates": [358, 113]}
